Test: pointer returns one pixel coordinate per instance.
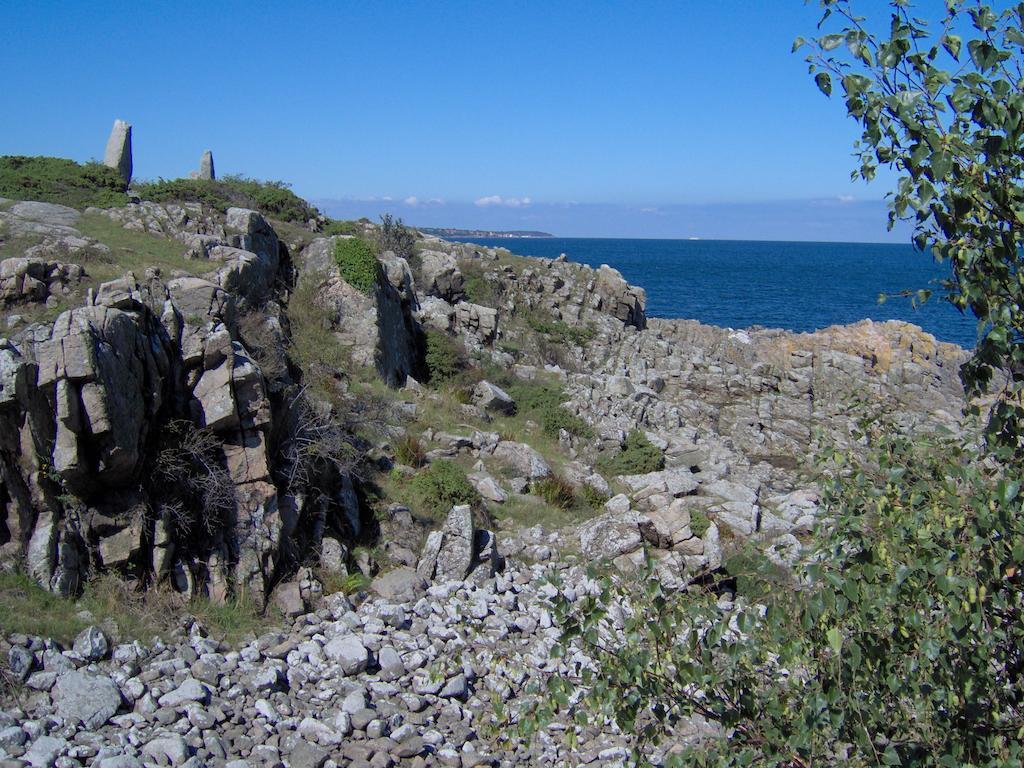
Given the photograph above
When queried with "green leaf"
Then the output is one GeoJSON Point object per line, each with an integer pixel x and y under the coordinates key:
{"type": "Point", "coordinates": [824, 82]}
{"type": "Point", "coordinates": [830, 42]}
{"type": "Point", "coordinates": [835, 639]}
{"type": "Point", "coordinates": [952, 45]}
{"type": "Point", "coordinates": [798, 44]}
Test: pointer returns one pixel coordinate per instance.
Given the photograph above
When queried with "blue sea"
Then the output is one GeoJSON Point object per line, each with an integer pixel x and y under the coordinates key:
{"type": "Point", "coordinates": [797, 286]}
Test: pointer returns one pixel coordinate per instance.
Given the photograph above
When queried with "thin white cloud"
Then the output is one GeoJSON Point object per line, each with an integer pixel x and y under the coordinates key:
{"type": "Point", "coordinates": [508, 202]}
{"type": "Point", "coordinates": [846, 199]}
{"type": "Point", "coordinates": [412, 201]}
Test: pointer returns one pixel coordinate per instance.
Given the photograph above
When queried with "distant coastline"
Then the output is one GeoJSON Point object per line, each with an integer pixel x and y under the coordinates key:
{"type": "Point", "coordinates": [510, 234]}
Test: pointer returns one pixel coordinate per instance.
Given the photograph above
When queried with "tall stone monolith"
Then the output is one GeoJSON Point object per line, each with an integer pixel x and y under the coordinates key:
{"type": "Point", "coordinates": [206, 170]}
{"type": "Point", "coordinates": [119, 150]}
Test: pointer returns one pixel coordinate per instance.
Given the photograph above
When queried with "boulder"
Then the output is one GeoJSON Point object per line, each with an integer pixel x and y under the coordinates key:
{"type": "Point", "coordinates": [455, 558]}
{"type": "Point", "coordinates": [85, 698]}
{"type": "Point", "coordinates": [91, 644]}
{"type": "Point", "coordinates": [523, 459]}
{"type": "Point", "coordinates": [493, 398]}
{"type": "Point", "coordinates": [610, 535]}
{"type": "Point", "coordinates": [441, 275]}
{"type": "Point", "coordinates": [349, 653]}
{"type": "Point", "coordinates": [400, 585]}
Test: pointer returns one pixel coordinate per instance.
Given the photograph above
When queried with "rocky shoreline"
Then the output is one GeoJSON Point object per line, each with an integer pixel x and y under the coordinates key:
{"type": "Point", "coordinates": [456, 618]}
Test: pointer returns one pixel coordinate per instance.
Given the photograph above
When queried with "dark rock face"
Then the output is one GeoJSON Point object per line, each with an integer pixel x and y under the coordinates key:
{"type": "Point", "coordinates": [139, 431]}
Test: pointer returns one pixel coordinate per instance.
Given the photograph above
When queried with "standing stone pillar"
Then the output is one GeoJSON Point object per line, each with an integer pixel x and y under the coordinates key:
{"type": "Point", "coordinates": [119, 150]}
{"type": "Point", "coordinates": [206, 166]}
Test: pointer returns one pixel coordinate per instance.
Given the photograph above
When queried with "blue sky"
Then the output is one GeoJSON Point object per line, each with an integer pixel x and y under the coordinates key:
{"type": "Point", "coordinates": [652, 119]}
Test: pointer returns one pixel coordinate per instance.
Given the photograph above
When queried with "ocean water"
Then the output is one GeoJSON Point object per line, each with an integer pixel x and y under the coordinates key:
{"type": "Point", "coordinates": [797, 286]}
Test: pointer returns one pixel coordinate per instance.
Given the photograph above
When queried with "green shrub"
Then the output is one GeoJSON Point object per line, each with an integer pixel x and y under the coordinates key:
{"type": "Point", "coordinates": [591, 498]}
{"type": "Point", "coordinates": [637, 457]}
{"type": "Point", "coordinates": [478, 288]}
{"type": "Point", "coordinates": [338, 227]}
{"type": "Point", "coordinates": [904, 645]}
{"type": "Point", "coordinates": [699, 522]}
{"type": "Point", "coordinates": [542, 401]}
{"type": "Point", "coordinates": [55, 180]}
{"type": "Point", "coordinates": [561, 332]}
{"type": "Point", "coordinates": [443, 357]}
{"type": "Point", "coordinates": [556, 491]}
{"type": "Point", "coordinates": [442, 485]}
{"type": "Point", "coordinates": [272, 198]}
{"type": "Point", "coordinates": [357, 264]}
{"type": "Point", "coordinates": [394, 236]}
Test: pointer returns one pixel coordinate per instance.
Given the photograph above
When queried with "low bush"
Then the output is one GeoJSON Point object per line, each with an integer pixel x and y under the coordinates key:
{"type": "Point", "coordinates": [699, 523]}
{"type": "Point", "coordinates": [542, 401]}
{"type": "Point", "coordinates": [637, 457]}
{"type": "Point", "coordinates": [444, 359]}
{"type": "Point", "coordinates": [357, 264]}
{"type": "Point", "coordinates": [561, 332]}
{"type": "Point", "coordinates": [478, 287]}
{"type": "Point", "coordinates": [65, 182]}
{"type": "Point", "coordinates": [339, 227]}
{"type": "Point", "coordinates": [441, 486]}
{"type": "Point", "coordinates": [903, 646]}
{"type": "Point", "coordinates": [555, 491]}
{"type": "Point", "coordinates": [394, 236]}
{"type": "Point", "coordinates": [272, 198]}
{"type": "Point", "coordinates": [591, 498]}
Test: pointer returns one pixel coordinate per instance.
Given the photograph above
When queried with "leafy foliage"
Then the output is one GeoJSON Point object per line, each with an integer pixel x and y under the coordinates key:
{"type": "Point", "coordinates": [394, 236]}
{"type": "Point", "coordinates": [637, 457]}
{"type": "Point", "coordinates": [442, 485]}
{"type": "Point", "coordinates": [948, 115]}
{"type": "Point", "coordinates": [65, 182]}
{"type": "Point", "coordinates": [904, 648]}
{"type": "Point", "coordinates": [542, 401]}
{"type": "Point", "coordinates": [443, 358]}
{"type": "Point", "coordinates": [357, 264]}
{"type": "Point", "coordinates": [272, 198]}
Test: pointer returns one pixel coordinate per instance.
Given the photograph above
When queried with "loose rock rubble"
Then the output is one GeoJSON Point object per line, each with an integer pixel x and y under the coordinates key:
{"type": "Point", "coordinates": [408, 680]}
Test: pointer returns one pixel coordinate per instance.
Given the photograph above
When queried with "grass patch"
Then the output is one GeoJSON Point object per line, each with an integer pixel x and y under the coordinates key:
{"type": "Point", "coordinates": [637, 457]}
{"type": "Point", "coordinates": [542, 401]}
{"type": "Point", "coordinates": [113, 603]}
{"type": "Point", "coordinates": [132, 250]}
{"type": "Point", "coordinates": [272, 198]}
{"type": "Point", "coordinates": [357, 264]}
{"type": "Point", "coordinates": [479, 289]}
{"type": "Point", "coordinates": [555, 491]}
{"type": "Point", "coordinates": [56, 180]}
{"type": "Point", "coordinates": [409, 451]}
{"type": "Point", "coordinates": [347, 584]}
{"type": "Point", "coordinates": [528, 511]}
{"type": "Point", "coordinates": [561, 332]}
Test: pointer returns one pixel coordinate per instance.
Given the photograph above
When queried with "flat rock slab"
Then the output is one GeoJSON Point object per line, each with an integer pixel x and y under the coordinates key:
{"type": "Point", "coordinates": [87, 699]}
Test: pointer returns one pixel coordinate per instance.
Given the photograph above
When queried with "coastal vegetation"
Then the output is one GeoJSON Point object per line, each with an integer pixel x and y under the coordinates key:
{"type": "Point", "coordinates": [900, 641]}
{"type": "Point", "coordinates": [65, 182]}
{"type": "Point", "coordinates": [272, 198]}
